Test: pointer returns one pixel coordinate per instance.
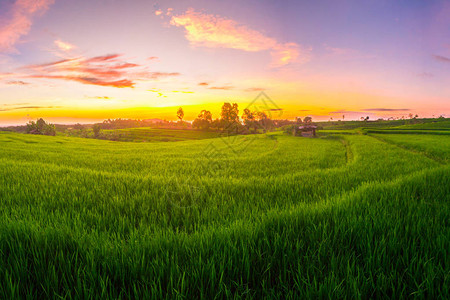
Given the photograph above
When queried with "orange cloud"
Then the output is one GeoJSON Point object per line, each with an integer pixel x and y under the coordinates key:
{"type": "Point", "coordinates": [107, 70]}
{"type": "Point", "coordinates": [213, 31]}
{"type": "Point", "coordinates": [158, 12]}
{"type": "Point", "coordinates": [225, 88]}
{"type": "Point", "coordinates": [255, 89]}
{"type": "Point", "coordinates": [20, 21]}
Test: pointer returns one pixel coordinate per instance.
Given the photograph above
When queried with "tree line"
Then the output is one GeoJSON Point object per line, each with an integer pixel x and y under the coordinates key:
{"type": "Point", "coordinates": [253, 121]}
{"type": "Point", "coordinates": [41, 127]}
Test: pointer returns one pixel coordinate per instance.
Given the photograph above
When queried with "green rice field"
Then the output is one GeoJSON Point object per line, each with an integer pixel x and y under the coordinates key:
{"type": "Point", "coordinates": [148, 134]}
{"type": "Point", "coordinates": [256, 216]}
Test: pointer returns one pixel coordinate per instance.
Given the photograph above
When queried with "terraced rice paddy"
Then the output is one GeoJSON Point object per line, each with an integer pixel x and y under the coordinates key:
{"type": "Point", "coordinates": [343, 215]}
{"type": "Point", "coordinates": [147, 134]}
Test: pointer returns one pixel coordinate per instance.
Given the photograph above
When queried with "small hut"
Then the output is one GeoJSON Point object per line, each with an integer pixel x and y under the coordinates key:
{"type": "Point", "coordinates": [305, 130]}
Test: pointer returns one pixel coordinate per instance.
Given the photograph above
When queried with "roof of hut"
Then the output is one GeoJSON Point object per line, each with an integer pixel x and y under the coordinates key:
{"type": "Point", "coordinates": [307, 127]}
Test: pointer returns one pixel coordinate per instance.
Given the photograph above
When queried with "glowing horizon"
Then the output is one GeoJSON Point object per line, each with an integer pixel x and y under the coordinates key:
{"type": "Point", "coordinates": [93, 60]}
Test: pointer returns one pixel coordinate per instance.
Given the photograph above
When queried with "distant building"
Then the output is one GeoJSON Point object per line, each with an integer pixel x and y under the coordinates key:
{"type": "Point", "coordinates": [305, 130]}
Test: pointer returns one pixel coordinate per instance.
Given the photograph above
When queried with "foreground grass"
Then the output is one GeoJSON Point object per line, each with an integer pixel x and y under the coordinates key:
{"type": "Point", "coordinates": [285, 217]}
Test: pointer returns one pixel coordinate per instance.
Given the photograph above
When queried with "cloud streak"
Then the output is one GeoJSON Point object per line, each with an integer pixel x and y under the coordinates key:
{"type": "Point", "coordinates": [63, 45]}
{"type": "Point", "coordinates": [27, 107]}
{"type": "Point", "coordinates": [441, 58]}
{"type": "Point", "coordinates": [386, 109]}
{"type": "Point", "coordinates": [205, 30]}
{"type": "Point", "coordinates": [20, 19]}
{"type": "Point", "coordinates": [17, 82]}
{"type": "Point", "coordinates": [254, 89]}
{"type": "Point", "coordinates": [346, 112]}
{"type": "Point", "coordinates": [226, 88]}
{"type": "Point", "coordinates": [107, 70]}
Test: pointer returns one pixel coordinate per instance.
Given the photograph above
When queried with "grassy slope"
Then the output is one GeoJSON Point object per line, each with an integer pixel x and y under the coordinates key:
{"type": "Point", "coordinates": [438, 125]}
{"type": "Point", "coordinates": [147, 134]}
{"type": "Point", "coordinates": [435, 147]}
{"type": "Point", "coordinates": [284, 216]}
{"type": "Point", "coordinates": [420, 124]}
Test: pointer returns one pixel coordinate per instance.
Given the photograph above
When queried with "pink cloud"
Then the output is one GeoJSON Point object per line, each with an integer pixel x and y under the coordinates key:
{"type": "Point", "coordinates": [213, 31]}
{"type": "Point", "coordinates": [90, 80]}
{"type": "Point", "coordinates": [107, 70]}
{"type": "Point", "coordinates": [19, 23]}
{"type": "Point", "coordinates": [64, 46]}
{"type": "Point", "coordinates": [441, 58]}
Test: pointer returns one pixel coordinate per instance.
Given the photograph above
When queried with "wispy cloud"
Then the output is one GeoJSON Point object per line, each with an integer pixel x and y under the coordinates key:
{"type": "Point", "coordinates": [441, 58]}
{"type": "Point", "coordinates": [203, 83]}
{"type": "Point", "coordinates": [227, 87]}
{"type": "Point", "coordinates": [27, 107]}
{"type": "Point", "coordinates": [387, 109]}
{"type": "Point", "coordinates": [100, 97]}
{"type": "Point", "coordinates": [184, 92]}
{"type": "Point", "coordinates": [64, 46]}
{"type": "Point", "coordinates": [107, 70]}
{"type": "Point", "coordinates": [17, 82]}
{"type": "Point", "coordinates": [346, 112]}
{"type": "Point", "coordinates": [157, 75]}
{"type": "Point", "coordinates": [205, 30]}
{"type": "Point", "coordinates": [18, 21]}
{"type": "Point", "coordinates": [123, 83]}
{"type": "Point", "coordinates": [160, 94]}
{"type": "Point", "coordinates": [254, 89]}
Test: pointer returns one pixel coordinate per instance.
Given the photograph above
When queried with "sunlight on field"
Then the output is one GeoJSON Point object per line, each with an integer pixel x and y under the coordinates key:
{"type": "Point", "coordinates": [263, 213]}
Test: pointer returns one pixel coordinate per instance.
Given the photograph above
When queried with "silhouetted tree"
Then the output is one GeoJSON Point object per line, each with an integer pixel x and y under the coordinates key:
{"type": "Point", "coordinates": [180, 114]}
{"type": "Point", "coordinates": [41, 127]}
{"type": "Point", "coordinates": [203, 120]}
{"type": "Point", "coordinates": [230, 116]}
{"type": "Point", "coordinates": [249, 119]}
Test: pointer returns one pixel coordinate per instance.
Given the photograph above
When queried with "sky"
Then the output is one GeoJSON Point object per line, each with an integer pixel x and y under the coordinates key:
{"type": "Point", "coordinates": [89, 60]}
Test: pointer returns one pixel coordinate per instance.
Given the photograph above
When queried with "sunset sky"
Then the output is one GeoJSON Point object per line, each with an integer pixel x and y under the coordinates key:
{"type": "Point", "coordinates": [89, 60]}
